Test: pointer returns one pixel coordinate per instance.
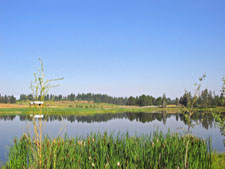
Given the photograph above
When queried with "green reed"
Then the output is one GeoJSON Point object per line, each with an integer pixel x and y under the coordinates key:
{"type": "Point", "coordinates": [112, 151]}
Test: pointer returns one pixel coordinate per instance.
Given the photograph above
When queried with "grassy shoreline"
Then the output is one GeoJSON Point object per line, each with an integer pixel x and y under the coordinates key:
{"type": "Point", "coordinates": [92, 111]}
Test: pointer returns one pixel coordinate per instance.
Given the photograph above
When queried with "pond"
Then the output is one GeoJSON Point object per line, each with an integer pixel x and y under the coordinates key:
{"type": "Point", "coordinates": [133, 123]}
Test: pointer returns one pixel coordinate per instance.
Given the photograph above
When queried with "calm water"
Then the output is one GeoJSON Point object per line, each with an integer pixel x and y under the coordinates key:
{"type": "Point", "coordinates": [134, 123]}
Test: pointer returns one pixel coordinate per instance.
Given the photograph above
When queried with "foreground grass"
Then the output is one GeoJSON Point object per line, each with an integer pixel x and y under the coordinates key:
{"type": "Point", "coordinates": [218, 160]}
{"type": "Point", "coordinates": [112, 151]}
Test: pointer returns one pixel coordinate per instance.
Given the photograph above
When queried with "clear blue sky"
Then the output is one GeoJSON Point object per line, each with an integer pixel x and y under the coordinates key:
{"type": "Point", "coordinates": [118, 47]}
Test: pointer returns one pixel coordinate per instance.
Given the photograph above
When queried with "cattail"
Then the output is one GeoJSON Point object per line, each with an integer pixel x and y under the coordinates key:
{"type": "Point", "coordinates": [106, 165]}
{"type": "Point", "coordinates": [80, 142]}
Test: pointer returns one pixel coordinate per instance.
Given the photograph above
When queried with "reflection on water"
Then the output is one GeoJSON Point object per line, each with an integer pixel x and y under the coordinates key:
{"type": "Point", "coordinates": [205, 119]}
{"type": "Point", "coordinates": [134, 123]}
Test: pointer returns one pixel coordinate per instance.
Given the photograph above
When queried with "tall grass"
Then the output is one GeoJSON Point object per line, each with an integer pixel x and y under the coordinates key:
{"type": "Point", "coordinates": [112, 151]}
{"type": "Point", "coordinates": [40, 87]}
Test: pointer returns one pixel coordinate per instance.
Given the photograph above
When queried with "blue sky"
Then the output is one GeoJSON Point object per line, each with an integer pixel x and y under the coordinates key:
{"type": "Point", "coordinates": [117, 47]}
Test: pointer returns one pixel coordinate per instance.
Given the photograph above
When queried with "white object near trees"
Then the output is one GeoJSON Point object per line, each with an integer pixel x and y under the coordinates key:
{"type": "Point", "coordinates": [39, 103]}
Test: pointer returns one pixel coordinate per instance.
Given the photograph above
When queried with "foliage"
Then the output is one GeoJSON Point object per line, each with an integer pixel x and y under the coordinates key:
{"type": "Point", "coordinates": [220, 116]}
{"type": "Point", "coordinates": [185, 100]}
{"type": "Point", "coordinates": [188, 111]}
{"type": "Point", "coordinates": [220, 119]}
{"type": "Point", "coordinates": [131, 101]}
{"type": "Point", "coordinates": [97, 98]}
{"type": "Point", "coordinates": [112, 151]}
{"type": "Point", "coordinates": [146, 100]}
{"type": "Point", "coordinates": [218, 160]}
{"type": "Point", "coordinates": [40, 87]}
{"type": "Point", "coordinates": [7, 99]}
{"type": "Point", "coordinates": [164, 101]}
{"type": "Point", "coordinates": [205, 99]}
{"type": "Point", "coordinates": [143, 100]}
{"type": "Point", "coordinates": [223, 91]}
{"type": "Point", "coordinates": [190, 102]}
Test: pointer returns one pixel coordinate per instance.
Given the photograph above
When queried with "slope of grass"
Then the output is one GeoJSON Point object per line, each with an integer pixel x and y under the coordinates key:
{"type": "Point", "coordinates": [90, 108]}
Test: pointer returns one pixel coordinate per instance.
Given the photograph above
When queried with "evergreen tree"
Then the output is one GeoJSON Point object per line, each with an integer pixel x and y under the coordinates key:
{"type": "Point", "coordinates": [186, 99]}
{"type": "Point", "coordinates": [177, 101]}
{"type": "Point", "coordinates": [12, 99]}
{"type": "Point", "coordinates": [23, 97]}
{"type": "Point", "coordinates": [143, 100]}
{"type": "Point", "coordinates": [164, 104]}
{"type": "Point", "coordinates": [158, 101]}
{"type": "Point", "coordinates": [6, 99]}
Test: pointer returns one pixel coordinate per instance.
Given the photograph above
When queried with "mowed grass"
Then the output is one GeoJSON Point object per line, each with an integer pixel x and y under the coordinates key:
{"type": "Point", "coordinates": [112, 151]}
{"type": "Point", "coordinates": [90, 108]}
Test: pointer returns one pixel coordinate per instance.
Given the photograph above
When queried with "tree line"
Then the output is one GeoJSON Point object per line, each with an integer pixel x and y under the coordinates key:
{"type": "Point", "coordinates": [205, 99]}
{"type": "Point", "coordinates": [7, 99]}
{"type": "Point", "coordinates": [147, 100]}
{"type": "Point", "coordinates": [143, 100]}
{"type": "Point", "coordinates": [97, 98]}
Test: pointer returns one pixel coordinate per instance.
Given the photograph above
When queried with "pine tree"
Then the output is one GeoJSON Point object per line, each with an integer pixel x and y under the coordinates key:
{"type": "Point", "coordinates": [164, 101]}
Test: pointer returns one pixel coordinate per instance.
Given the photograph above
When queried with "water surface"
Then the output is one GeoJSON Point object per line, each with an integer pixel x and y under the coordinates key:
{"type": "Point", "coordinates": [133, 123]}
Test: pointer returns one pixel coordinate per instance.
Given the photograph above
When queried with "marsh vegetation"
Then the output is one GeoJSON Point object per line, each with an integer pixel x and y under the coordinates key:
{"type": "Point", "coordinates": [108, 151]}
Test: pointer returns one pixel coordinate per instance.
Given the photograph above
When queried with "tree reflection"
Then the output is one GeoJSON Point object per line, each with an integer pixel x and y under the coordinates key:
{"type": "Point", "coordinates": [205, 119]}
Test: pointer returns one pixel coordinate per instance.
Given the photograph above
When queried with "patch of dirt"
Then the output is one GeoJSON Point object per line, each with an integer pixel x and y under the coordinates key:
{"type": "Point", "coordinates": [12, 106]}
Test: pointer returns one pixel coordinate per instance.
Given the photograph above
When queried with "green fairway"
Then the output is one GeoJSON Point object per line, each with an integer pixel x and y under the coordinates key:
{"type": "Point", "coordinates": [90, 109]}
